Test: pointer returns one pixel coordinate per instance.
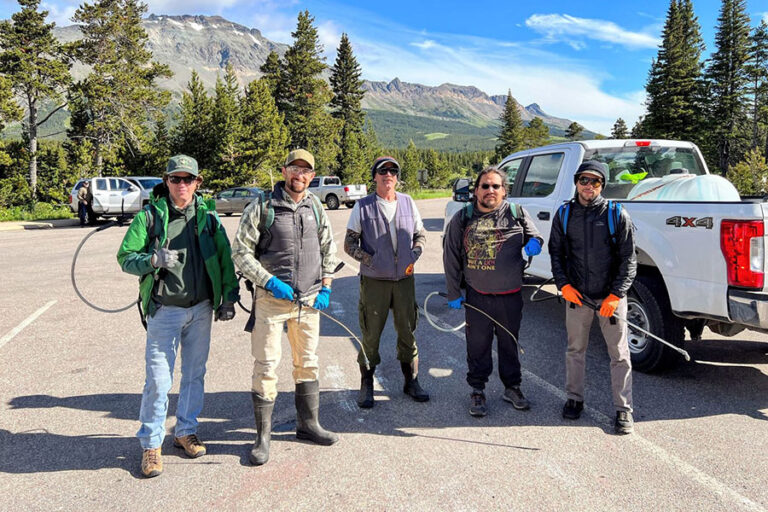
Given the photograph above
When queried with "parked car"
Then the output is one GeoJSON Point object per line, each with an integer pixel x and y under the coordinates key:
{"type": "Point", "coordinates": [330, 191]}
{"type": "Point", "coordinates": [234, 200]}
{"type": "Point", "coordinates": [112, 196]}
{"type": "Point", "coordinates": [146, 184]}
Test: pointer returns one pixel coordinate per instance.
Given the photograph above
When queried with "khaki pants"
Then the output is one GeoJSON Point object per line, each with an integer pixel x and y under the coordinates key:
{"type": "Point", "coordinates": [266, 341]}
{"type": "Point", "coordinates": [578, 322]}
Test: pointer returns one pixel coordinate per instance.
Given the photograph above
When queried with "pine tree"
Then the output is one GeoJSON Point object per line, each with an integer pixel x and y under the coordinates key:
{"type": "Point", "coordinates": [574, 131]}
{"type": "Point", "coordinates": [37, 66]}
{"type": "Point", "coordinates": [120, 93]}
{"type": "Point", "coordinates": [228, 133]}
{"type": "Point", "coordinates": [410, 165]}
{"type": "Point", "coordinates": [194, 134]}
{"type": "Point", "coordinates": [265, 137]}
{"type": "Point", "coordinates": [9, 111]}
{"type": "Point", "coordinates": [437, 170]}
{"type": "Point", "coordinates": [307, 95]}
{"type": "Point", "coordinates": [757, 72]}
{"type": "Point", "coordinates": [619, 130]}
{"type": "Point", "coordinates": [271, 73]}
{"type": "Point", "coordinates": [727, 78]}
{"type": "Point", "coordinates": [346, 104]}
{"type": "Point", "coordinates": [511, 135]}
{"type": "Point", "coordinates": [536, 134]}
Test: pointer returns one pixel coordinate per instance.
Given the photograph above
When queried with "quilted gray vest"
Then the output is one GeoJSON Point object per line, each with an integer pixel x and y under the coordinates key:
{"type": "Point", "coordinates": [375, 239]}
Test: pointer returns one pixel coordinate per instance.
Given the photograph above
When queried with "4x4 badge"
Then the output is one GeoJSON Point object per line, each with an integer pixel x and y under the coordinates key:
{"type": "Point", "coordinates": [690, 222]}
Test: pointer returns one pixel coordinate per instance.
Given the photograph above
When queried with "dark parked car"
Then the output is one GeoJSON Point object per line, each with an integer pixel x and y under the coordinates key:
{"type": "Point", "coordinates": [234, 200]}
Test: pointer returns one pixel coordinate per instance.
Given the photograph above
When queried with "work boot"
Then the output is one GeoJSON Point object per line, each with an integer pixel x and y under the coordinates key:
{"type": "Point", "coordinates": [412, 387]}
{"type": "Point", "coordinates": [514, 396]}
{"type": "Point", "coordinates": [192, 446]}
{"type": "Point", "coordinates": [307, 406]}
{"type": "Point", "coordinates": [365, 397]}
{"type": "Point", "coordinates": [477, 407]}
{"type": "Point", "coordinates": [572, 409]}
{"type": "Point", "coordinates": [151, 462]}
{"type": "Point", "coordinates": [262, 411]}
{"type": "Point", "coordinates": [624, 423]}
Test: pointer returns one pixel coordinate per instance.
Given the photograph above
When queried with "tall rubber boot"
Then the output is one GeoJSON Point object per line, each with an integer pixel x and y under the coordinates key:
{"type": "Point", "coordinates": [365, 397]}
{"type": "Point", "coordinates": [307, 407]}
{"type": "Point", "coordinates": [412, 387]}
{"type": "Point", "coordinates": [262, 411]}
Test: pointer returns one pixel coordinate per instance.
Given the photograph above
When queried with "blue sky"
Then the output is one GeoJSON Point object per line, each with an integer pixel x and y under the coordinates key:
{"type": "Point", "coordinates": [586, 61]}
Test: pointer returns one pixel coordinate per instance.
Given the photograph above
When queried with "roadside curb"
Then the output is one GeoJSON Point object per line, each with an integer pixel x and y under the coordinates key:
{"type": "Point", "coordinates": [28, 225]}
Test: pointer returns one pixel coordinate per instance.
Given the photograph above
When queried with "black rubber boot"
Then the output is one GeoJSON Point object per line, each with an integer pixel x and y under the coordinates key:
{"type": "Point", "coordinates": [412, 387]}
{"type": "Point", "coordinates": [365, 397]}
{"type": "Point", "coordinates": [307, 406]}
{"type": "Point", "coordinates": [262, 411]}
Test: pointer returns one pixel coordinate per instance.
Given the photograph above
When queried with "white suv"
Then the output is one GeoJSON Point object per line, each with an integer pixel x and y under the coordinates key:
{"type": "Point", "coordinates": [112, 196]}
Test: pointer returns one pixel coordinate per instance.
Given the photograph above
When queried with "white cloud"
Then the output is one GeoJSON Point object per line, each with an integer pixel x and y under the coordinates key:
{"type": "Point", "coordinates": [61, 15]}
{"type": "Point", "coordinates": [563, 27]}
{"type": "Point", "coordinates": [424, 45]}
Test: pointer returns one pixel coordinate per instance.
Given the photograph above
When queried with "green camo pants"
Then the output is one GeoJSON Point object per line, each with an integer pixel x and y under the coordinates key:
{"type": "Point", "coordinates": [377, 297]}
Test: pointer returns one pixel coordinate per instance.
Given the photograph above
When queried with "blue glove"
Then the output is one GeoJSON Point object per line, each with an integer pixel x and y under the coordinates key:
{"type": "Point", "coordinates": [533, 247]}
{"type": "Point", "coordinates": [279, 289]}
{"type": "Point", "coordinates": [456, 303]}
{"type": "Point", "coordinates": [322, 299]}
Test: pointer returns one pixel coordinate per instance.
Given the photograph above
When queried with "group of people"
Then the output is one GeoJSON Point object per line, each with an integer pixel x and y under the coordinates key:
{"type": "Point", "coordinates": [284, 247]}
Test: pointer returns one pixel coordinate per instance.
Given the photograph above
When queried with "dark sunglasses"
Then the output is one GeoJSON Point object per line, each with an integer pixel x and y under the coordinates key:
{"type": "Point", "coordinates": [494, 186]}
{"type": "Point", "coordinates": [392, 171]}
{"type": "Point", "coordinates": [188, 180]}
{"type": "Point", "coordinates": [595, 182]}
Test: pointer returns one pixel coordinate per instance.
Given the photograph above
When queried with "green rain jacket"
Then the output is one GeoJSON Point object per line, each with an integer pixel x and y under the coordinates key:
{"type": "Point", "coordinates": [135, 252]}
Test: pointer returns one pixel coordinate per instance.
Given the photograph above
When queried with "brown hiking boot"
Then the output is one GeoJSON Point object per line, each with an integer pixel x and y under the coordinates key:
{"type": "Point", "coordinates": [151, 462]}
{"type": "Point", "coordinates": [193, 447]}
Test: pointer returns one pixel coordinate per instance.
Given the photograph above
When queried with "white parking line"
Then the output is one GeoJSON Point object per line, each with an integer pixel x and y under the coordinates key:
{"type": "Point", "coordinates": [31, 318]}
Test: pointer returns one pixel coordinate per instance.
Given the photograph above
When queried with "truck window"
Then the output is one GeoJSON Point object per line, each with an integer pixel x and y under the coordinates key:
{"type": "Point", "coordinates": [241, 193]}
{"type": "Point", "coordinates": [542, 174]}
{"type": "Point", "coordinates": [333, 181]}
{"type": "Point", "coordinates": [511, 169]}
{"type": "Point", "coordinates": [101, 184]}
{"type": "Point", "coordinates": [314, 183]}
{"type": "Point", "coordinates": [226, 194]}
{"type": "Point", "coordinates": [123, 185]}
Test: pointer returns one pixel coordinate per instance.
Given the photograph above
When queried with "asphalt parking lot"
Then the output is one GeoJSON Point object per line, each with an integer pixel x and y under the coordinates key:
{"type": "Point", "coordinates": [71, 381]}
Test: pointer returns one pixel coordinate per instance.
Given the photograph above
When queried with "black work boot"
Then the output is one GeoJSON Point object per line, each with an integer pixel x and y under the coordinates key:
{"type": "Point", "coordinates": [307, 407]}
{"type": "Point", "coordinates": [624, 423]}
{"type": "Point", "coordinates": [477, 407]}
{"type": "Point", "coordinates": [514, 396]}
{"type": "Point", "coordinates": [365, 397]}
{"type": "Point", "coordinates": [572, 409]}
{"type": "Point", "coordinates": [412, 387]}
{"type": "Point", "coordinates": [262, 411]}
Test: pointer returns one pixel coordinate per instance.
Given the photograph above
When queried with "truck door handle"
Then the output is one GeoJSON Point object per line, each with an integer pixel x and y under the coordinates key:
{"type": "Point", "coordinates": [543, 215]}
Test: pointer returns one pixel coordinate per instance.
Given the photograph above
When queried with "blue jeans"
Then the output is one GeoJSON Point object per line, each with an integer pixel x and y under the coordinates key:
{"type": "Point", "coordinates": [168, 330]}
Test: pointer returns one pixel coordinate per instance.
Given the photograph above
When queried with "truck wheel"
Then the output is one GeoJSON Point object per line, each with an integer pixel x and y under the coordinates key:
{"type": "Point", "coordinates": [332, 202]}
{"type": "Point", "coordinates": [648, 307]}
{"type": "Point", "coordinates": [349, 204]}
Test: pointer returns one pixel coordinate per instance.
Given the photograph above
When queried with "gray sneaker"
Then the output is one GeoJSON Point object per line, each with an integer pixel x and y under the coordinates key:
{"type": "Point", "coordinates": [477, 407]}
{"type": "Point", "coordinates": [514, 396]}
{"type": "Point", "coordinates": [624, 423]}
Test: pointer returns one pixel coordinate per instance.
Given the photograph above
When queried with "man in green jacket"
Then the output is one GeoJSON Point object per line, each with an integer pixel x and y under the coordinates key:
{"type": "Point", "coordinates": [180, 249]}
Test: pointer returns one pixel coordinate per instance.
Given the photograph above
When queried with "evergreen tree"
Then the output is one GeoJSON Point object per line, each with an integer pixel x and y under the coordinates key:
{"type": "Point", "coordinates": [727, 79]}
{"type": "Point", "coordinates": [9, 111]}
{"type": "Point", "coordinates": [619, 130]}
{"type": "Point", "coordinates": [119, 95]}
{"type": "Point", "coordinates": [271, 73]}
{"type": "Point", "coordinates": [574, 131]}
{"type": "Point", "coordinates": [228, 130]}
{"type": "Point", "coordinates": [437, 170]}
{"type": "Point", "coordinates": [37, 66]}
{"type": "Point", "coordinates": [346, 104]}
{"type": "Point", "coordinates": [757, 72]}
{"type": "Point", "coordinates": [536, 134]}
{"type": "Point", "coordinates": [265, 137]}
{"type": "Point", "coordinates": [410, 164]}
{"type": "Point", "coordinates": [750, 176]}
{"type": "Point", "coordinates": [307, 95]}
{"type": "Point", "coordinates": [194, 134]}
{"type": "Point", "coordinates": [511, 135]}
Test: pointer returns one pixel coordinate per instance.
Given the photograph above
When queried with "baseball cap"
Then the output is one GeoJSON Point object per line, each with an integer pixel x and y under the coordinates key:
{"type": "Point", "coordinates": [379, 162]}
{"type": "Point", "coordinates": [182, 163]}
{"type": "Point", "coordinates": [300, 154]}
{"type": "Point", "coordinates": [593, 167]}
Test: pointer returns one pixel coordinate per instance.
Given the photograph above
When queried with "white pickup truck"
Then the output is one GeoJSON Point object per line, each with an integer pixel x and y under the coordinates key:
{"type": "Point", "coordinates": [330, 191]}
{"type": "Point", "coordinates": [700, 262]}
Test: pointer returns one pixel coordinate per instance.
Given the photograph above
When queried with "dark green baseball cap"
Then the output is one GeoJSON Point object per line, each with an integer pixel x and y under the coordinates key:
{"type": "Point", "coordinates": [182, 163]}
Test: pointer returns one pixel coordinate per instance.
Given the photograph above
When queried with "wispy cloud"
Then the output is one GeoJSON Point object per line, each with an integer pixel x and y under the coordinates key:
{"type": "Point", "coordinates": [563, 27]}
{"type": "Point", "coordinates": [61, 15]}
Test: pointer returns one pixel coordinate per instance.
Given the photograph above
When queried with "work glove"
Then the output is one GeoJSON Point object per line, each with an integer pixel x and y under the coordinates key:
{"type": "Point", "coordinates": [226, 311]}
{"type": "Point", "coordinates": [417, 252]}
{"type": "Point", "coordinates": [456, 303]}
{"type": "Point", "coordinates": [322, 299]}
{"type": "Point", "coordinates": [279, 289]}
{"type": "Point", "coordinates": [533, 247]}
{"type": "Point", "coordinates": [610, 303]}
{"type": "Point", "coordinates": [571, 294]}
{"type": "Point", "coordinates": [164, 258]}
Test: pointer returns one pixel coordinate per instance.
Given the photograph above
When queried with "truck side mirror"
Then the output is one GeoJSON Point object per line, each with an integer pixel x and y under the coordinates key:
{"type": "Point", "coordinates": [462, 190]}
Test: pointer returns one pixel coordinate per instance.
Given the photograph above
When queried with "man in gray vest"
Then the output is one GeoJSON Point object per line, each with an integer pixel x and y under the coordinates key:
{"type": "Point", "coordinates": [386, 235]}
{"type": "Point", "coordinates": [291, 262]}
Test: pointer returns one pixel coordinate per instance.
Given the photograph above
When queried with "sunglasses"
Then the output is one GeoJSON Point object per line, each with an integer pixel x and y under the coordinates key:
{"type": "Point", "coordinates": [295, 169]}
{"type": "Point", "coordinates": [595, 182]}
{"type": "Point", "coordinates": [392, 171]}
{"type": "Point", "coordinates": [494, 186]}
{"type": "Point", "coordinates": [188, 180]}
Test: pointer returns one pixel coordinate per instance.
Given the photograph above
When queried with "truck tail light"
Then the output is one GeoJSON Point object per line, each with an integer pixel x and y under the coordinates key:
{"type": "Point", "coordinates": [346, 189]}
{"type": "Point", "coordinates": [70, 198]}
{"type": "Point", "coordinates": [743, 247]}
